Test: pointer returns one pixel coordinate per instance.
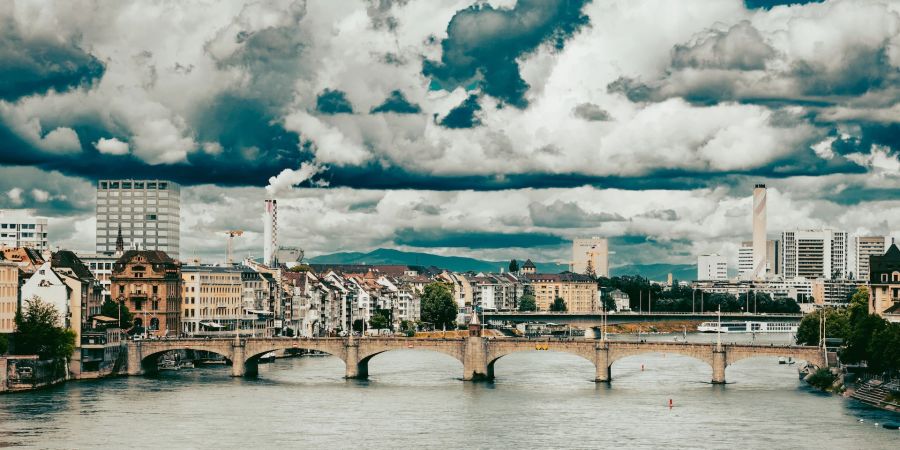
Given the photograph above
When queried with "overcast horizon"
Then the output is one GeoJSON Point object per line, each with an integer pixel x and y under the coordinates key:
{"type": "Point", "coordinates": [490, 129]}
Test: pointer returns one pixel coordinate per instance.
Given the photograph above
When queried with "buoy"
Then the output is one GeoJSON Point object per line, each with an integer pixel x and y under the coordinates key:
{"type": "Point", "coordinates": [642, 367]}
{"type": "Point", "coordinates": [670, 403]}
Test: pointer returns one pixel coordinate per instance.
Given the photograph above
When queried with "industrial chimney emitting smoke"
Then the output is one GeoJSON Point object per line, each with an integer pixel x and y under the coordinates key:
{"type": "Point", "coordinates": [270, 232]}
{"type": "Point", "coordinates": [759, 232]}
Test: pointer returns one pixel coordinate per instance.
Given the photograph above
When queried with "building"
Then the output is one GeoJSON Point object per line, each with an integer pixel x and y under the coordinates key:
{"type": "Point", "coordinates": [101, 266]}
{"type": "Point", "coordinates": [51, 288]}
{"type": "Point", "coordinates": [834, 292]}
{"type": "Point", "coordinates": [21, 228]}
{"type": "Point", "coordinates": [83, 285]}
{"type": "Point", "coordinates": [799, 289]}
{"type": "Point", "coordinates": [865, 247]}
{"type": "Point", "coordinates": [9, 295]}
{"type": "Point", "coordinates": [758, 269]}
{"type": "Point", "coordinates": [270, 233]}
{"type": "Point", "coordinates": [884, 284]}
{"type": "Point", "coordinates": [213, 301]}
{"type": "Point", "coordinates": [815, 254]}
{"type": "Point", "coordinates": [773, 258]}
{"type": "Point", "coordinates": [623, 302]}
{"type": "Point", "coordinates": [591, 255]}
{"type": "Point", "coordinates": [712, 267]}
{"type": "Point", "coordinates": [528, 268]}
{"type": "Point", "coordinates": [148, 282]}
{"type": "Point", "coordinates": [147, 212]}
{"type": "Point", "coordinates": [577, 290]}
{"type": "Point", "coordinates": [745, 260]}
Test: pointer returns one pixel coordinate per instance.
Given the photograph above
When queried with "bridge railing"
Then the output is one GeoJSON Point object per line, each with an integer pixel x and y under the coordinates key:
{"type": "Point", "coordinates": [614, 313]}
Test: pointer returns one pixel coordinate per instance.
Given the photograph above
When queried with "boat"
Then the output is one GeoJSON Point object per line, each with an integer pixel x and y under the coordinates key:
{"type": "Point", "coordinates": [748, 327]}
{"type": "Point", "coordinates": [167, 365]}
{"type": "Point", "coordinates": [267, 358]}
{"type": "Point", "coordinates": [186, 365]}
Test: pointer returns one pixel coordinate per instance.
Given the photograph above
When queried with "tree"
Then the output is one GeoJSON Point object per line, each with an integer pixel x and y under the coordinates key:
{"type": "Point", "coordinates": [589, 270]}
{"type": "Point", "coordinates": [837, 325]}
{"type": "Point", "coordinates": [38, 332]}
{"type": "Point", "coordinates": [380, 320]}
{"type": "Point", "coordinates": [608, 303]}
{"type": "Point", "coordinates": [358, 325]}
{"type": "Point", "coordinates": [438, 306]}
{"type": "Point", "coordinates": [4, 344]}
{"type": "Point", "coordinates": [558, 305]}
{"type": "Point", "coordinates": [110, 308]}
{"type": "Point", "coordinates": [513, 266]}
{"type": "Point", "coordinates": [527, 303]}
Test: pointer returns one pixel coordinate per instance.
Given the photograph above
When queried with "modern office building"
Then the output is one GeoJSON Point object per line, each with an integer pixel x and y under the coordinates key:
{"type": "Point", "coordinates": [712, 267]}
{"type": "Point", "coordinates": [815, 254]}
{"type": "Point", "coordinates": [866, 247]}
{"type": "Point", "coordinates": [591, 253]}
{"type": "Point", "coordinates": [745, 260]}
{"type": "Point", "coordinates": [758, 270]}
{"type": "Point", "coordinates": [22, 228]}
{"type": "Point", "coordinates": [148, 213]}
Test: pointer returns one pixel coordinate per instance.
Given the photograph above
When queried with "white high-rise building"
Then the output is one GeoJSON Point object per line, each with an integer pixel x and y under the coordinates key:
{"type": "Point", "coordinates": [594, 251]}
{"type": "Point", "coordinates": [712, 267]}
{"type": "Point", "coordinates": [745, 260]}
{"type": "Point", "coordinates": [22, 228]}
{"type": "Point", "coordinates": [270, 232]}
{"type": "Point", "coordinates": [759, 232]}
{"type": "Point", "coordinates": [815, 254]}
{"type": "Point", "coordinates": [864, 247]}
{"type": "Point", "coordinates": [147, 211]}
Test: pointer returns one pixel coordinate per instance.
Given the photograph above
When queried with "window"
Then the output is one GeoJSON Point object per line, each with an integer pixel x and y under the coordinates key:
{"type": "Point", "coordinates": [138, 184]}
{"type": "Point", "coordinates": [151, 216]}
{"type": "Point", "coordinates": [163, 186]}
{"type": "Point", "coordinates": [155, 289]}
{"type": "Point", "coordinates": [103, 185]}
{"type": "Point", "coordinates": [114, 185]}
{"type": "Point", "coordinates": [151, 185]}
{"type": "Point", "coordinates": [126, 185]}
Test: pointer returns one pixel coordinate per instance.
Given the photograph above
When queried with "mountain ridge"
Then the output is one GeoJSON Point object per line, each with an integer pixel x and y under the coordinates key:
{"type": "Point", "coordinates": [656, 272]}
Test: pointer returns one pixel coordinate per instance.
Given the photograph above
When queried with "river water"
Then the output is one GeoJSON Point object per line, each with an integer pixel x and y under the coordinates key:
{"type": "Point", "coordinates": [414, 399]}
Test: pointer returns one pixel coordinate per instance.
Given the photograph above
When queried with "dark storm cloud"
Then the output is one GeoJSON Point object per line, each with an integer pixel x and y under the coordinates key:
{"type": "Point", "coordinates": [560, 214]}
{"type": "Point", "coordinates": [397, 103]}
{"type": "Point", "coordinates": [769, 4]}
{"type": "Point", "coordinates": [333, 102]}
{"type": "Point", "coordinates": [484, 42]}
{"type": "Point", "coordinates": [591, 112]}
{"type": "Point", "coordinates": [35, 65]}
{"type": "Point", "coordinates": [473, 239]}
{"type": "Point", "coordinates": [463, 115]}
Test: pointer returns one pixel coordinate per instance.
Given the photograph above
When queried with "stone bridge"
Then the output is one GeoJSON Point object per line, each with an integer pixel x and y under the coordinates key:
{"type": "Point", "coordinates": [477, 354]}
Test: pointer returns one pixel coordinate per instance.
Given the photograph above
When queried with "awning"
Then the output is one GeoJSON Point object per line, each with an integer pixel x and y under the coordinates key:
{"type": "Point", "coordinates": [100, 318]}
{"type": "Point", "coordinates": [211, 325]}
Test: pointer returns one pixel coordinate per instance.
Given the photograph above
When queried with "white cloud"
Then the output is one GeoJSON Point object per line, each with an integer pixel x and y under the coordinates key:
{"type": "Point", "coordinates": [288, 178]}
{"type": "Point", "coordinates": [111, 146]}
{"type": "Point", "coordinates": [15, 196]}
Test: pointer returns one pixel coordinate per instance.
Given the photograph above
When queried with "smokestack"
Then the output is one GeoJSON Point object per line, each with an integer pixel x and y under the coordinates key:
{"type": "Point", "coordinates": [759, 232]}
{"type": "Point", "coordinates": [270, 232]}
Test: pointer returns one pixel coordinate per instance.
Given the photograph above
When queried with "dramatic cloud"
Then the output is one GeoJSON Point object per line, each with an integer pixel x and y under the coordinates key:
{"type": "Point", "coordinates": [454, 125]}
{"type": "Point", "coordinates": [483, 44]}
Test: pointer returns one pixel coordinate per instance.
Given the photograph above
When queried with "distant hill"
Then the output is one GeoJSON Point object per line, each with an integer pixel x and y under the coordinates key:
{"type": "Point", "coordinates": [655, 272]}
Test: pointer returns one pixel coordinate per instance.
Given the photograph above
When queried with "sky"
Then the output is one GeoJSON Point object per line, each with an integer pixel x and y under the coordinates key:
{"type": "Point", "coordinates": [493, 129]}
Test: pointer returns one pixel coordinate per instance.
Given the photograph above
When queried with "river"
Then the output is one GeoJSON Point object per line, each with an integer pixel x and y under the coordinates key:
{"type": "Point", "coordinates": [414, 399]}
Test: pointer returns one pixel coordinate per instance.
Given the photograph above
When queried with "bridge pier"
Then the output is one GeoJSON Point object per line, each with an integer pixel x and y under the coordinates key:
{"type": "Point", "coordinates": [601, 363]}
{"type": "Point", "coordinates": [476, 367]}
{"type": "Point", "coordinates": [134, 363]}
{"type": "Point", "coordinates": [238, 364]}
{"type": "Point", "coordinates": [355, 369]}
{"type": "Point", "coordinates": [718, 366]}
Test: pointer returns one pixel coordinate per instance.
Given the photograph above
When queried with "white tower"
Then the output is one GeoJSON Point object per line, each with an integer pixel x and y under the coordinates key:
{"type": "Point", "coordinates": [270, 232]}
{"type": "Point", "coordinates": [759, 232]}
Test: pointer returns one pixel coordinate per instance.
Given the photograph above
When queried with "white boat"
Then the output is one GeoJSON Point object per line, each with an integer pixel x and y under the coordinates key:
{"type": "Point", "coordinates": [167, 364]}
{"type": "Point", "coordinates": [267, 358]}
{"type": "Point", "coordinates": [748, 327]}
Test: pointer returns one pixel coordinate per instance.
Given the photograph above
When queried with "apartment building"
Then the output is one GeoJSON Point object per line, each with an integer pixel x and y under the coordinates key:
{"type": "Point", "coordinates": [815, 254]}
{"type": "Point", "coordinates": [577, 290]}
{"type": "Point", "coordinates": [9, 295]}
{"type": "Point", "coordinates": [22, 228]}
{"type": "Point", "coordinates": [149, 284]}
{"type": "Point", "coordinates": [712, 267]}
{"type": "Point", "coordinates": [864, 248]}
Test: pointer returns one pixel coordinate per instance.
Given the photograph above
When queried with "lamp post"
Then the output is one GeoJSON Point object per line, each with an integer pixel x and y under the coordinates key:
{"type": "Point", "coordinates": [693, 300]}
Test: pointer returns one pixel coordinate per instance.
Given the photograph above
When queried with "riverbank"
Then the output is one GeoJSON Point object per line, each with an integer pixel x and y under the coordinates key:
{"type": "Point", "coordinates": [28, 373]}
{"type": "Point", "coordinates": [674, 326]}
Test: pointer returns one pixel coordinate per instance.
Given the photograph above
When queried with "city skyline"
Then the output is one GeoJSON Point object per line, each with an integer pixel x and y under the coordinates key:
{"type": "Point", "coordinates": [596, 133]}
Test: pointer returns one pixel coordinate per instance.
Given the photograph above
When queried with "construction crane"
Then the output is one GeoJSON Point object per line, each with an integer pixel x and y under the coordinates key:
{"type": "Point", "coordinates": [229, 255]}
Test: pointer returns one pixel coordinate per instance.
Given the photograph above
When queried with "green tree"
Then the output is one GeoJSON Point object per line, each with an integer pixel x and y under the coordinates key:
{"type": "Point", "coordinates": [527, 303]}
{"type": "Point", "coordinates": [38, 333]}
{"type": "Point", "coordinates": [558, 305]}
{"type": "Point", "coordinates": [358, 325]}
{"type": "Point", "coordinates": [4, 344]}
{"type": "Point", "coordinates": [110, 308]}
{"type": "Point", "coordinates": [608, 303]}
{"type": "Point", "coordinates": [513, 266]}
{"type": "Point", "coordinates": [438, 306]}
{"type": "Point", "coordinates": [837, 325]}
{"type": "Point", "coordinates": [380, 320]}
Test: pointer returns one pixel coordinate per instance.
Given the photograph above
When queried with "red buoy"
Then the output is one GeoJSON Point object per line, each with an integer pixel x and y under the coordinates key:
{"type": "Point", "coordinates": [670, 403]}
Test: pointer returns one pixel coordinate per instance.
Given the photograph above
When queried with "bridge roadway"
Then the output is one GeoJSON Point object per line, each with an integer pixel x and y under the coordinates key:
{"type": "Point", "coordinates": [477, 354]}
{"type": "Point", "coordinates": [593, 320]}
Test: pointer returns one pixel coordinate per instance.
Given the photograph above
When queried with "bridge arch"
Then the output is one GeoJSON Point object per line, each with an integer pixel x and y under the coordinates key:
{"type": "Point", "coordinates": [492, 361]}
{"type": "Point", "coordinates": [143, 356]}
{"type": "Point", "coordinates": [499, 349]}
{"type": "Point", "coordinates": [368, 349]}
